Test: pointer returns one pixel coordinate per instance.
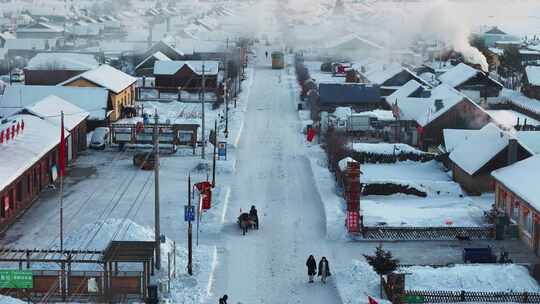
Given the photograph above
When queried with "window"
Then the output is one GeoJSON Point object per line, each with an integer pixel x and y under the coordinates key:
{"type": "Point", "coordinates": [527, 221]}
{"type": "Point", "coordinates": [515, 212]}
{"type": "Point", "coordinates": [19, 191]}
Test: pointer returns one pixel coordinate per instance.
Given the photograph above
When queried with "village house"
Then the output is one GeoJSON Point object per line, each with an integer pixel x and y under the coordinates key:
{"type": "Point", "coordinates": [50, 108]}
{"type": "Point", "coordinates": [40, 30]}
{"type": "Point", "coordinates": [120, 85]}
{"type": "Point", "coordinates": [146, 66]}
{"type": "Point", "coordinates": [531, 82]}
{"type": "Point", "coordinates": [28, 48]}
{"type": "Point", "coordinates": [187, 76]}
{"type": "Point", "coordinates": [494, 35]}
{"type": "Point", "coordinates": [479, 153]}
{"type": "Point", "coordinates": [54, 68]}
{"type": "Point", "coordinates": [4, 36]}
{"type": "Point", "coordinates": [475, 84]}
{"type": "Point", "coordinates": [32, 151]}
{"type": "Point", "coordinates": [422, 116]}
{"type": "Point", "coordinates": [92, 100]}
{"type": "Point", "coordinates": [390, 78]}
{"type": "Point", "coordinates": [166, 48]}
{"type": "Point", "coordinates": [329, 96]}
{"type": "Point", "coordinates": [351, 46]}
{"type": "Point", "coordinates": [517, 194]}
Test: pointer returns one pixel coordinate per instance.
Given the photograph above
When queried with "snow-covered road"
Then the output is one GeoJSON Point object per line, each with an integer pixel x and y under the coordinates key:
{"type": "Point", "coordinates": [268, 265]}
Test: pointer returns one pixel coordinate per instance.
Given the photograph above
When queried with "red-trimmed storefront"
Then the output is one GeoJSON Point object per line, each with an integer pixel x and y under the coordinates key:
{"type": "Point", "coordinates": [521, 213]}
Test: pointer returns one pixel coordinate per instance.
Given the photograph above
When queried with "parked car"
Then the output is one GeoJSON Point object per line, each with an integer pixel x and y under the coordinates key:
{"type": "Point", "coordinates": [100, 137]}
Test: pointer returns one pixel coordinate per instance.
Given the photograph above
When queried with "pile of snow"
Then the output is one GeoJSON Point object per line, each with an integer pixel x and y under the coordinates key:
{"type": "Point", "coordinates": [10, 300]}
{"type": "Point", "coordinates": [386, 148]}
{"type": "Point", "coordinates": [487, 277]}
{"type": "Point", "coordinates": [356, 282]}
{"type": "Point", "coordinates": [334, 205]}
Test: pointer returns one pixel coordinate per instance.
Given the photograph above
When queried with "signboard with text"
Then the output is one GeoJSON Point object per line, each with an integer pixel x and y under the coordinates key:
{"type": "Point", "coordinates": [222, 150]}
{"type": "Point", "coordinates": [22, 279]}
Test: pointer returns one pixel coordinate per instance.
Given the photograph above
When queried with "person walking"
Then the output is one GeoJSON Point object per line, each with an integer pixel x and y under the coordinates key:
{"type": "Point", "coordinates": [266, 54]}
{"type": "Point", "coordinates": [253, 215]}
{"type": "Point", "coordinates": [324, 269]}
{"type": "Point", "coordinates": [223, 300]}
{"type": "Point", "coordinates": [311, 267]}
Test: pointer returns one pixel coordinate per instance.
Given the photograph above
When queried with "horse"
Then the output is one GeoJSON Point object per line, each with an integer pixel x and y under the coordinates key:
{"type": "Point", "coordinates": [245, 222]}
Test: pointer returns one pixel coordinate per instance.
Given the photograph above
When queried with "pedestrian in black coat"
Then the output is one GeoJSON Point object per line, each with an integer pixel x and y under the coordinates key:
{"type": "Point", "coordinates": [324, 269]}
{"type": "Point", "coordinates": [253, 215]}
{"type": "Point", "coordinates": [223, 300]}
{"type": "Point", "coordinates": [311, 267]}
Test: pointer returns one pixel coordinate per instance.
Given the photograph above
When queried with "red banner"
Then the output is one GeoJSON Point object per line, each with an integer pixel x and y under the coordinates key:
{"type": "Point", "coordinates": [310, 134]}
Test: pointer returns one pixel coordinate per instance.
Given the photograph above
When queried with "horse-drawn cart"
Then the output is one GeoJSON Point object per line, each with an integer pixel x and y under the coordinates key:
{"type": "Point", "coordinates": [245, 222]}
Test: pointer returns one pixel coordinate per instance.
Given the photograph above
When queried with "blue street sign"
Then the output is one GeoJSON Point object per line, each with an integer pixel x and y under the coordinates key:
{"type": "Point", "coordinates": [189, 213]}
{"type": "Point", "coordinates": [222, 149]}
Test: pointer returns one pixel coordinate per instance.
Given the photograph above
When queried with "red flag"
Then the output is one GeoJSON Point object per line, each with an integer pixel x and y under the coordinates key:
{"type": "Point", "coordinates": [62, 152]}
{"type": "Point", "coordinates": [371, 300]}
{"type": "Point", "coordinates": [310, 134]}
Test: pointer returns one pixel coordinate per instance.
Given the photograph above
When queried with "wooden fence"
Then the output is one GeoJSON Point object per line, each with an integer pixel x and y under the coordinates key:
{"type": "Point", "coordinates": [419, 296]}
{"type": "Point", "coordinates": [425, 233]}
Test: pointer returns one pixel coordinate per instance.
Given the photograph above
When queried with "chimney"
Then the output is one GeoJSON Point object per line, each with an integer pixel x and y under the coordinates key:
{"type": "Point", "coordinates": [438, 105]}
{"type": "Point", "coordinates": [512, 151]}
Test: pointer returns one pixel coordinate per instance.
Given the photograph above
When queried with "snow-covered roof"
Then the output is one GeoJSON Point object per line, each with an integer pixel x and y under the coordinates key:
{"type": "Point", "coordinates": [107, 77]}
{"type": "Point", "coordinates": [472, 154]}
{"type": "Point", "coordinates": [522, 179]}
{"type": "Point", "coordinates": [91, 100]}
{"type": "Point", "coordinates": [530, 140]}
{"type": "Point", "coordinates": [385, 148]}
{"type": "Point", "coordinates": [351, 38]}
{"type": "Point", "coordinates": [424, 110]}
{"type": "Point", "coordinates": [454, 137]}
{"type": "Point", "coordinates": [211, 67]}
{"type": "Point", "coordinates": [404, 91]}
{"type": "Point", "coordinates": [49, 108]}
{"type": "Point", "coordinates": [7, 35]}
{"type": "Point", "coordinates": [29, 44]}
{"type": "Point", "coordinates": [533, 74]}
{"type": "Point", "coordinates": [344, 162]}
{"type": "Point", "coordinates": [380, 76]}
{"type": "Point", "coordinates": [510, 118]}
{"type": "Point", "coordinates": [40, 27]}
{"type": "Point", "coordinates": [38, 137]}
{"type": "Point", "coordinates": [458, 75]}
{"type": "Point", "coordinates": [62, 61]}
{"type": "Point", "coordinates": [157, 55]}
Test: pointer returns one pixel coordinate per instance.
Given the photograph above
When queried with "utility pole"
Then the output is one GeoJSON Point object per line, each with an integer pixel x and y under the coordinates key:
{"type": "Point", "coordinates": [190, 232]}
{"type": "Point", "coordinates": [214, 155]}
{"type": "Point", "coordinates": [202, 105]}
{"type": "Point", "coordinates": [156, 188]}
{"type": "Point", "coordinates": [61, 171]}
{"type": "Point", "coordinates": [226, 109]}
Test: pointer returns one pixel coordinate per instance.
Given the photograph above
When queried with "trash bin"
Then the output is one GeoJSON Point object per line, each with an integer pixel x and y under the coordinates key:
{"type": "Point", "coordinates": [152, 297]}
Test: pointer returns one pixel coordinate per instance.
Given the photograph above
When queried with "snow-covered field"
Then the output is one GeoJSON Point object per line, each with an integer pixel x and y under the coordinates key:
{"type": "Point", "coordinates": [474, 277]}
{"type": "Point", "coordinates": [408, 210]}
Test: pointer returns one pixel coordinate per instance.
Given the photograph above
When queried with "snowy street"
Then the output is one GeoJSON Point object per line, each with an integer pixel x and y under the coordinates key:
{"type": "Point", "coordinates": [268, 265]}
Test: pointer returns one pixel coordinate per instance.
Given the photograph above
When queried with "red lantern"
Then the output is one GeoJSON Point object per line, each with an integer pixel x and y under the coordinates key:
{"type": "Point", "coordinates": [18, 127]}
{"type": "Point", "coordinates": [22, 124]}
{"type": "Point", "coordinates": [7, 134]}
{"type": "Point", "coordinates": [13, 131]}
{"type": "Point", "coordinates": [1, 136]}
